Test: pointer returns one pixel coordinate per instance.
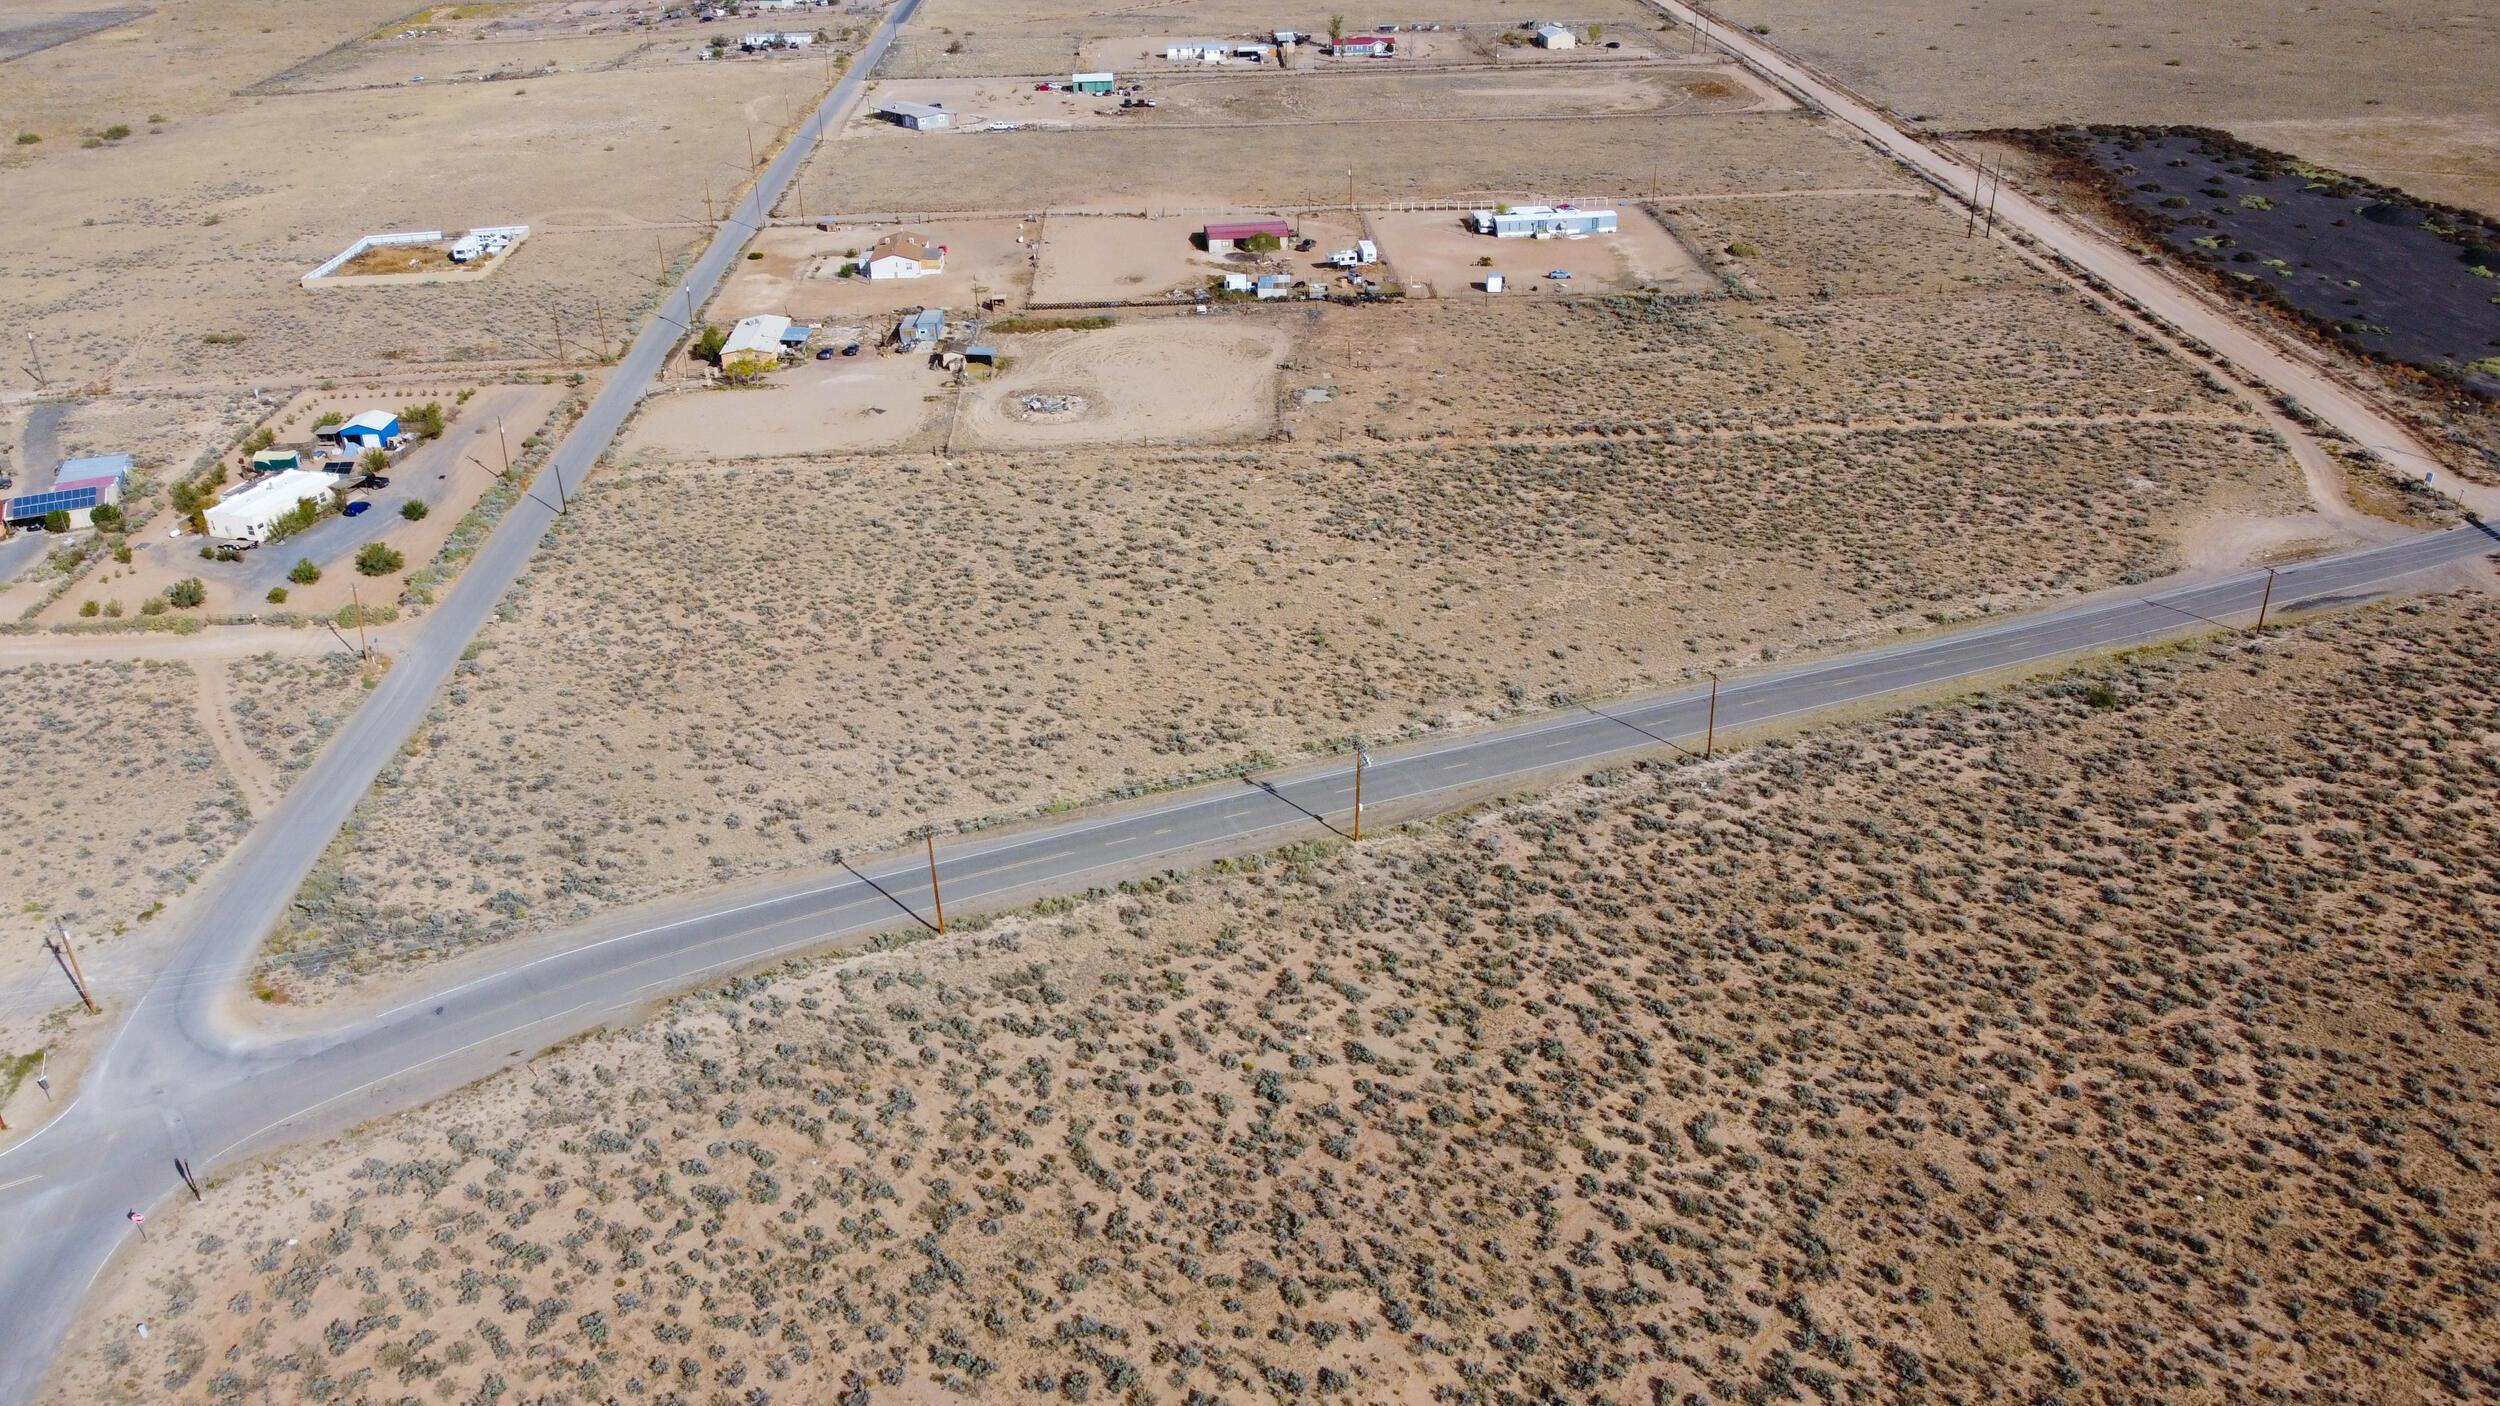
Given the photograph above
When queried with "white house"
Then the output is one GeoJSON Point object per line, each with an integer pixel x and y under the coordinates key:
{"type": "Point", "coordinates": [754, 345]}
{"type": "Point", "coordinates": [254, 510]}
{"type": "Point", "coordinates": [905, 256]}
{"type": "Point", "coordinates": [1554, 36]}
{"type": "Point", "coordinates": [1199, 51]}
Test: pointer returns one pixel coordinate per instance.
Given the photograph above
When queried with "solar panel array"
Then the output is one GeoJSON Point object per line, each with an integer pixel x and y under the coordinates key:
{"type": "Point", "coordinates": [64, 499]}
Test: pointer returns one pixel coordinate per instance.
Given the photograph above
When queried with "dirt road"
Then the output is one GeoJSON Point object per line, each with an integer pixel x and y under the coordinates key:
{"type": "Point", "coordinates": [2277, 365]}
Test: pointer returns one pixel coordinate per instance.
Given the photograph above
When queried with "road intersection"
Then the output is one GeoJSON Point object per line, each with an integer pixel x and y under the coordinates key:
{"type": "Point", "coordinates": [183, 1079]}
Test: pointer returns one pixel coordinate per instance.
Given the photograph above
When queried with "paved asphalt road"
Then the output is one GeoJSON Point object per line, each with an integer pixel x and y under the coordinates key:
{"type": "Point", "coordinates": [145, 1091]}
{"type": "Point", "coordinates": [180, 1083]}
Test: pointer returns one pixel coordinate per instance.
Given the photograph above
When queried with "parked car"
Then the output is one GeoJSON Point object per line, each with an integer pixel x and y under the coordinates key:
{"type": "Point", "coordinates": [851, 350]}
{"type": "Point", "coordinates": [359, 508]}
{"type": "Point", "coordinates": [373, 481]}
{"type": "Point", "coordinates": [825, 353]}
{"type": "Point", "coordinates": [237, 544]}
{"type": "Point", "coordinates": [1558, 273]}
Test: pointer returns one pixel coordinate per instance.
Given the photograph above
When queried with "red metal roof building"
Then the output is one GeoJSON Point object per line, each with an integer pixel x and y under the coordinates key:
{"type": "Point", "coordinates": [1219, 235]}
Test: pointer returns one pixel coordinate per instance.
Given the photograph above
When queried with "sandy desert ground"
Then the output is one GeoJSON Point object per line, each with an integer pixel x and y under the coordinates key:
{"type": "Point", "coordinates": [1434, 255]}
{"type": "Point", "coordinates": [1120, 258]}
{"type": "Point", "coordinates": [2124, 1037]}
{"type": "Point", "coordinates": [130, 252]}
{"type": "Point", "coordinates": [2392, 94]}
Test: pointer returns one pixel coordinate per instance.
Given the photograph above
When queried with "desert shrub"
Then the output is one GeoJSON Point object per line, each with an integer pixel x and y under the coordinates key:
{"type": "Point", "coordinates": [413, 510]}
{"type": "Point", "coordinates": [56, 520]}
{"type": "Point", "coordinates": [304, 573]}
{"type": "Point", "coordinates": [106, 515]}
{"type": "Point", "coordinates": [707, 346]}
{"type": "Point", "coordinates": [277, 595]}
{"type": "Point", "coordinates": [379, 559]}
{"type": "Point", "coordinates": [153, 605]}
{"type": "Point", "coordinates": [187, 593]}
{"type": "Point", "coordinates": [423, 421]}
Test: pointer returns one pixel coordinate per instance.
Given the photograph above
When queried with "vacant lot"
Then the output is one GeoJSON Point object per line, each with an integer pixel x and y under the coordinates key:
{"type": "Point", "coordinates": [128, 255]}
{"type": "Point", "coordinates": [1204, 170]}
{"type": "Point", "coordinates": [1148, 381]}
{"type": "Point", "coordinates": [1088, 258]}
{"type": "Point", "coordinates": [869, 401]}
{"type": "Point", "coordinates": [2398, 95]}
{"type": "Point", "coordinates": [918, 643]}
{"type": "Point", "coordinates": [2054, 1045]}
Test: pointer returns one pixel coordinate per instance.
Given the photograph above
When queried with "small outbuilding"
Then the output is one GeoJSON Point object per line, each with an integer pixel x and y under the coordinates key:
{"type": "Point", "coordinates": [1199, 51]}
{"type": "Point", "coordinates": [1554, 36]}
{"type": "Point", "coordinates": [270, 461]}
{"type": "Point", "coordinates": [254, 510]}
{"type": "Point", "coordinates": [794, 336]}
{"type": "Point", "coordinates": [919, 117]}
{"type": "Point", "coordinates": [371, 429]}
{"type": "Point", "coordinates": [754, 344]}
{"type": "Point", "coordinates": [1365, 46]}
{"type": "Point", "coordinates": [1093, 82]}
{"type": "Point", "coordinates": [1274, 285]}
{"type": "Point", "coordinates": [922, 329]}
{"type": "Point", "coordinates": [905, 256]}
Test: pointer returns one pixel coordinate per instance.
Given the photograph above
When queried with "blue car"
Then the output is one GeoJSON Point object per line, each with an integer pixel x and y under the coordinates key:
{"type": "Point", "coordinates": [358, 508]}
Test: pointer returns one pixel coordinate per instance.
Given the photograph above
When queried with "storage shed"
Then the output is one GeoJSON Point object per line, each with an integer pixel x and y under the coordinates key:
{"type": "Point", "coordinates": [270, 461]}
{"type": "Point", "coordinates": [1554, 36]}
{"type": "Point", "coordinates": [921, 329]}
{"type": "Point", "coordinates": [372, 429]}
{"type": "Point", "coordinates": [920, 117]}
{"type": "Point", "coordinates": [254, 510]}
{"type": "Point", "coordinates": [1093, 82]}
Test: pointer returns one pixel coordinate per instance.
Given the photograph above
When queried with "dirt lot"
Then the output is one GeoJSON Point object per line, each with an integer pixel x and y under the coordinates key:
{"type": "Point", "coordinates": [1089, 258]}
{"type": "Point", "coordinates": [799, 275]}
{"type": "Point", "coordinates": [815, 407]}
{"type": "Point", "coordinates": [2037, 1047]}
{"type": "Point", "coordinates": [1148, 381]}
{"type": "Point", "coordinates": [1202, 171]}
{"type": "Point", "coordinates": [127, 254]}
{"type": "Point", "coordinates": [1434, 255]}
{"type": "Point", "coordinates": [2401, 96]}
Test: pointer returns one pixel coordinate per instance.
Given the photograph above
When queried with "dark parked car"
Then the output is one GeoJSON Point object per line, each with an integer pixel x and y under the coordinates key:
{"type": "Point", "coordinates": [851, 350]}
{"type": "Point", "coordinates": [373, 481]}
{"type": "Point", "coordinates": [358, 508]}
{"type": "Point", "coordinates": [824, 353]}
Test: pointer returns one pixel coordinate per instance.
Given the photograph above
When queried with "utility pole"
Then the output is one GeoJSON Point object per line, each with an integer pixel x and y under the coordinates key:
{"type": "Point", "coordinates": [2265, 600]}
{"type": "Point", "coordinates": [1349, 189]}
{"type": "Point", "coordinates": [707, 198]}
{"type": "Point", "coordinates": [184, 1169]}
{"type": "Point", "coordinates": [364, 650]}
{"type": "Point", "coordinates": [76, 974]}
{"type": "Point", "coordinates": [1362, 763]}
{"type": "Point", "coordinates": [36, 352]}
{"type": "Point", "coordinates": [507, 448]}
{"type": "Point", "coordinates": [600, 315]}
{"type": "Point", "coordinates": [750, 151]}
{"type": "Point", "coordinates": [659, 258]}
{"type": "Point", "coordinates": [558, 319]}
{"type": "Point", "coordinates": [1710, 734]}
{"type": "Point", "coordinates": [930, 835]}
{"type": "Point", "coordinates": [1979, 172]}
{"type": "Point", "coordinates": [1995, 184]}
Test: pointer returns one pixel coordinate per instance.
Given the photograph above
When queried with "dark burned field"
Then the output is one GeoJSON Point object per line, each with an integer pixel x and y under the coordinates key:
{"type": "Point", "coordinates": [2384, 274]}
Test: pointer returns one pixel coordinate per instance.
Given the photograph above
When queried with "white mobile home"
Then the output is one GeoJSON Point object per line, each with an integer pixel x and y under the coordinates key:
{"type": "Point", "coordinates": [920, 117]}
{"type": "Point", "coordinates": [254, 511]}
{"type": "Point", "coordinates": [1541, 221]}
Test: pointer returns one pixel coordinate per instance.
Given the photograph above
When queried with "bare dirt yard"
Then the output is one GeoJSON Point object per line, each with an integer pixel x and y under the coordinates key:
{"type": "Point", "coordinates": [869, 401]}
{"type": "Point", "coordinates": [2053, 1044]}
{"type": "Point", "coordinates": [2401, 96]}
{"type": "Point", "coordinates": [800, 273]}
{"type": "Point", "coordinates": [1122, 258]}
{"type": "Point", "coordinates": [1152, 380]}
{"type": "Point", "coordinates": [129, 254]}
{"type": "Point", "coordinates": [1207, 170]}
{"type": "Point", "coordinates": [1435, 254]}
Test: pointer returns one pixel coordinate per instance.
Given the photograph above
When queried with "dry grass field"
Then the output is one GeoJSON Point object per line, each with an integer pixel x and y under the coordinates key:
{"type": "Point", "coordinates": [1208, 170]}
{"type": "Point", "coordinates": [2124, 1038]}
{"type": "Point", "coordinates": [126, 254]}
{"type": "Point", "coordinates": [2401, 95]}
{"type": "Point", "coordinates": [1471, 510]}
